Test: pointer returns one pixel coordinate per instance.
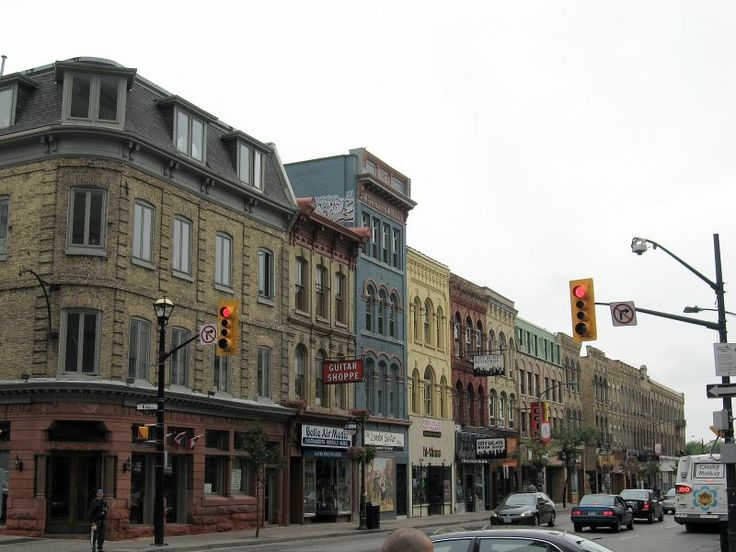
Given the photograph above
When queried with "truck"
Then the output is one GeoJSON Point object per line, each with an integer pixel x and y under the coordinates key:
{"type": "Point", "coordinates": [700, 490]}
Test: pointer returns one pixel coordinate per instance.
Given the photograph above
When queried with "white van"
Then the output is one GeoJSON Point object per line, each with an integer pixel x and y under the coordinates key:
{"type": "Point", "coordinates": [700, 489]}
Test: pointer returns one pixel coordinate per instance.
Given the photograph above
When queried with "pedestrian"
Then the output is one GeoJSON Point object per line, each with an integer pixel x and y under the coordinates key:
{"type": "Point", "coordinates": [97, 515]}
{"type": "Point", "coordinates": [407, 539]}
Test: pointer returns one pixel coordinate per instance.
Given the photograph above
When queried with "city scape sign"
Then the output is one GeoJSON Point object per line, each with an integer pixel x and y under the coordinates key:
{"type": "Point", "coordinates": [488, 365]}
{"type": "Point", "coordinates": [346, 370]}
{"type": "Point", "coordinates": [325, 436]}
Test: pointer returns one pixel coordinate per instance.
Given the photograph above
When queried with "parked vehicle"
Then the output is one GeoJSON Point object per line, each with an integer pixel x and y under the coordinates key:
{"type": "Point", "coordinates": [514, 539]}
{"type": "Point", "coordinates": [700, 488]}
{"type": "Point", "coordinates": [602, 510]}
{"type": "Point", "coordinates": [525, 509]}
{"type": "Point", "coordinates": [669, 502]}
{"type": "Point", "coordinates": [644, 504]}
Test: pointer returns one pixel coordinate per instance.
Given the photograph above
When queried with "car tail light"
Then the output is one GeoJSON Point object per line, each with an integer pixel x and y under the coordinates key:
{"type": "Point", "coordinates": [608, 513]}
{"type": "Point", "coordinates": [683, 489]}
{"type": "Point", "coordinates": [576, 512]}
{"type": "Point", "coordinates": [647, 506]}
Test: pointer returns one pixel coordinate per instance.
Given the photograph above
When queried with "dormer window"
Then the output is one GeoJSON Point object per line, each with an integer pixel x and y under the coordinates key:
{"type": "Point", "coordinates": [94, 92]}
{"type": "Point", "coordinates": [6, 107]}
{"type": "Point", "coordinates": [14, 90]}
{"type": "Point", "coordinates": [190, 135]}
{"type": "Point", "coordinates": [250, 165]}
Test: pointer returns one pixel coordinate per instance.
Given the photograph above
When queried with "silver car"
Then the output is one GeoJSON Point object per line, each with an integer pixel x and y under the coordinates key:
{"type": "Point", "coordinates": [669, 502]}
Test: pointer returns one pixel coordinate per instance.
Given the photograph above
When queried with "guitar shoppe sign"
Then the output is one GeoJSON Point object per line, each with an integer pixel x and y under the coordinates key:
{"type": "Point", "coordinates": [345, 370]}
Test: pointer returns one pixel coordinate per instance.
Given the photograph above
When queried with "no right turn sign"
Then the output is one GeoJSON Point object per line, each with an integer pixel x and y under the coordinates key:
{"type": "Point", "coordinates": [623, 313]}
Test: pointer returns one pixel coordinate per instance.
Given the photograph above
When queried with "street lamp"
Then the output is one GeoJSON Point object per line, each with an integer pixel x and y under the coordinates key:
{"type": "Point", "coordinates": [352, 427]}
{"type": "Point", "coordinates": [639, 246]}
{"type": "Point", "coordinates": [698, 309]}
{"type": "Point", "coordinates": [163, 308]}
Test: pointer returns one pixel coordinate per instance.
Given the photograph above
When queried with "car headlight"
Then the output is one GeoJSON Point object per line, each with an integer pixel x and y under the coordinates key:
{"type": "Point", "coordinates": [527, 513]}
{"type": "Point", "coordinates": [493, 513]}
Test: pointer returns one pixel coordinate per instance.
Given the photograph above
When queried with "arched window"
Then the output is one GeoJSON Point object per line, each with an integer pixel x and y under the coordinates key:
{"type": "Point", "coordinates": [429, 391]}
{"type": "Point", "coordinates": [391, 310]}
{"type": "Point", "coordinates": [415, 386]}
{"type": "Point", "coordinates": [457, 329]}
{"type": "Point", "coordinates": [512, 411]}
{"type": "Point", "coordinates": [382, 302]}
{"type": "Point", "coordinates": [321, 397]}
{"type": "Point", "coordinates": [492, 405]}
{"type": "Point", "coordinates": [300, 365]}
{"type": "Point", "coordinates": [470, 405]}
{"type": "Point", "coordinates": [479, 339]}
{"type": "Point", "coordinates": [502, 410]}
{"type": "Point", "coordinates": [440, 339]}
{"type": "Point", "coordinates": [370, 307]}
{"type": "Point", "coordinates": [381, 388]}
{"type": "Point", "coordinates": [417, 314]}
{"type": "Point", "coordinates": [428, 322]}
{"type": "Point", "coordinates": [468, 336]}
{"type": "Point", "coordinates": [393, 395]}
{"type": "Point", "coordinates": [370, 387]}
{"type": "Point", "coordinates": [491, 341]}
{"type": "Point", "coordinates": [459, 399]}
{"type": "Point", "coordinates": [443, 397]}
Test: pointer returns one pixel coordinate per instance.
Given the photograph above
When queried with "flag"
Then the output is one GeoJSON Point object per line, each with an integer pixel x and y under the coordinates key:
{"type": "Point", "coordinates": [193, 440]}
{"type": "Point", "coordinates": [179, 439]}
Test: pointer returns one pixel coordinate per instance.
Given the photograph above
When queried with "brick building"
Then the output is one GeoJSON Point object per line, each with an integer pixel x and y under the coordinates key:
{"type": "Point", "coordinates": [114, 193]}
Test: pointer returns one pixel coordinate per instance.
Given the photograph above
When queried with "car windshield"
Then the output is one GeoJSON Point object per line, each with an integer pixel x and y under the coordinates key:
{"type": "Point", "coordinates": [671, 493]}
{"type": "Point", "coordinates": [635, 494]}
{"type": "Point", "coordinates": [584, 544]}
{"type": "Point", "coordinates": [520, 500]}
{"type": "Point", "coordinates": [596, 500]}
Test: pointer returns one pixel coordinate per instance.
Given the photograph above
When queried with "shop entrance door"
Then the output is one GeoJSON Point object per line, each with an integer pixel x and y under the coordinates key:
{"type": "Point", "coordinates": [71, 482]}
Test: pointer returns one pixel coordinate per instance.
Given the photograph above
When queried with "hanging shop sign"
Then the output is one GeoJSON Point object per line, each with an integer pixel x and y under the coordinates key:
{"type": "Point", "coordinates": [385, 439]}
{"type": "Point", "coordinates": [432, 428]}
{"type": "Point", "coordinates": [325, 436]}
{"type": "Point", "coordinates": [488, 365]}
{"type": "Point", "coordinates": [490, 448]}
{"type": "Point", "coordinates": [345, 370]}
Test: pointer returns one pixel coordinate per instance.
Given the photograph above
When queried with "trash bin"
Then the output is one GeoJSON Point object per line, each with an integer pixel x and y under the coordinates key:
{"type": "Point", "coordinates": [373, 515]}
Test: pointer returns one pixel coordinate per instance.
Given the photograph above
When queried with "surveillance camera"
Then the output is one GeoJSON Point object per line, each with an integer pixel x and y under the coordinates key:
{"type": "Point", "coordinates": [638, 246]}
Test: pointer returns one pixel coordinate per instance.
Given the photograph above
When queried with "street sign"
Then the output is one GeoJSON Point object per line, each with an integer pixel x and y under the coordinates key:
{"type": "Point", "coordinates": [720, 390]}
{"type": "Point", "coordinates": [725, 359]}
{"type": "Point", "coordinates": [207, 334]}
{"type": "Point", "coordinates": [623, 313]}
{"type": "Point", "coordinates": [146, 406]}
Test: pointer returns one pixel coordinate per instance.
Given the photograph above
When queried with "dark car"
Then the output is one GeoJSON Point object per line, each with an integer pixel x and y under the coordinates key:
{"type": "Point", "coordinates": [601, 510]}
{"type": "Point", "coordinates": [536, 540]}
{"type": "Point", "coordinates": [524, 509]}
{"type": "Point", "coordinates": [644, 503]}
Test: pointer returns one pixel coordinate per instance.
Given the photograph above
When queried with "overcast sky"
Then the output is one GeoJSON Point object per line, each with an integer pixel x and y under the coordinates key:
{"type": "Point", "coordinates": [540, 137]}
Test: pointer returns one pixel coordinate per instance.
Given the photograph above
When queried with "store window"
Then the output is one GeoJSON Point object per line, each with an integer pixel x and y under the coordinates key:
{"type": "Point", "coordinates": [327, 484]}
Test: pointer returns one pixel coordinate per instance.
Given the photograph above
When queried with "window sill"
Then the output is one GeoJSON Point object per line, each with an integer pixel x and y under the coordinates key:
{"type": "Point", "coordinates": [90, 122]}
{"type": "Point", "coordinates": [266, 301]}
{"type": "Point", "coordinates": [88, 251]}
{"type": "Point", "coordinates": [182, 276]}
{"type": "Point", "coordinates": [301, 312]}
{"type": "Point", "coordinates": [224, 288]}
{"type": "Point", "coordinates": [341, 324]}
{"type": "Point", "coordinates": [323, 319]}
{"type": "Point", "coordinates": [143, 264]}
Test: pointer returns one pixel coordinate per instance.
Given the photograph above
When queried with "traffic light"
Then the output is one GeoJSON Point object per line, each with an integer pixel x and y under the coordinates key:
{"type": "Point", "coordinates": [582, 305]}
{"type": "Point", "coordinates": [227, 328]}
{"type": "Point", "coordinates": [142, 433]}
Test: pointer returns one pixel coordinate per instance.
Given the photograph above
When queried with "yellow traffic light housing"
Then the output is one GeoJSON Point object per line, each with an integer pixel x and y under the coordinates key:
{"type": "Point", "coordinates": [227, 328]}
{"type": "Point", "coordinates": [142, 433]}
{"type": "Point", "coordinates": [582, 306]}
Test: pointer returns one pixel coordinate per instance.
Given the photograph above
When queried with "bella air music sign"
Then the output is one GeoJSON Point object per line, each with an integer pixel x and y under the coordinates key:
{"type": "Point", "coordinates": [345, 370]}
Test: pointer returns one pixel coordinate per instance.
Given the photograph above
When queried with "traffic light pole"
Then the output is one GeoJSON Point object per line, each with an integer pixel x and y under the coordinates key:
{"type": "Point", "coordinates": [158, 505]}
{"type": "Point", "coordinates": [639, 246]}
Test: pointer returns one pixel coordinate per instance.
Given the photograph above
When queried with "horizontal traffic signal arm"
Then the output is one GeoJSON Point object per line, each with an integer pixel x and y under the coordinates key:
{"type": "Point", "coordinates": [686, 319]}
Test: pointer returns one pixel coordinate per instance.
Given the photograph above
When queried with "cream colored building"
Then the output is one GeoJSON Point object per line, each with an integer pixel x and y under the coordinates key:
{"type": "Point", "coordinates": [432, 431]}
{"type": "Point", "coordinates": [503, 394]}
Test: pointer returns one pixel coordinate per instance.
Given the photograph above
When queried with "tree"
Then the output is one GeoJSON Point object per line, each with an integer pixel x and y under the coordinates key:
{"type": "Point", "coordinates": [539, 456]}
{"type": "Point", "coordinates": [570, 443]}
{"type": "Point", "coordinates": [261, 456]}
{"type": "Point", "coordinates": [701, 447]}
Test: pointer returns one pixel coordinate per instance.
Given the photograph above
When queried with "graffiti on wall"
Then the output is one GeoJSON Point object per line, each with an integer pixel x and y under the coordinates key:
{"type": "Point", "coordinates": [381, 483]}
{"type": "Point", "coordinates": [337, 208]}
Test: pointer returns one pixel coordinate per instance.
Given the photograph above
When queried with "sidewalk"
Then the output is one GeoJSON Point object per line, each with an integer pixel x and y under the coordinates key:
{"type": "Point", "coordinates": [269, 535]}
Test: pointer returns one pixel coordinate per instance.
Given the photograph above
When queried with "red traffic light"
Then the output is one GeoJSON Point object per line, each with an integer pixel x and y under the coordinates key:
{"type": "Point", "coordinates": [580, 291]}
{"type": "Point", "coordinates": [226, 312]}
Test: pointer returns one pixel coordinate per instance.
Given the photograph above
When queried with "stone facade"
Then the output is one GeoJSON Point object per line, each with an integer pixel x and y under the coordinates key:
{"type": "Point", "coordinates": [432, 435]}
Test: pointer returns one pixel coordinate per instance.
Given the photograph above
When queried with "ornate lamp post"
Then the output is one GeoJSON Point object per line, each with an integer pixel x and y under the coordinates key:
{"type": "Point", "coordinates": [352, 427]}
{"type": "Point", "coordinates": [163, 307]}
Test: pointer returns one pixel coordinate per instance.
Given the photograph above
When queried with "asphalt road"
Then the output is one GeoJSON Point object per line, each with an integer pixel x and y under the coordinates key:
{"type": "Point", "coordinates": [665, 536]}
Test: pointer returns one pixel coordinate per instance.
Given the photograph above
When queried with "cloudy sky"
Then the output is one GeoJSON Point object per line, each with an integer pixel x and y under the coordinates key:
{"type": "Point", "coordinates": [540, 137]}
